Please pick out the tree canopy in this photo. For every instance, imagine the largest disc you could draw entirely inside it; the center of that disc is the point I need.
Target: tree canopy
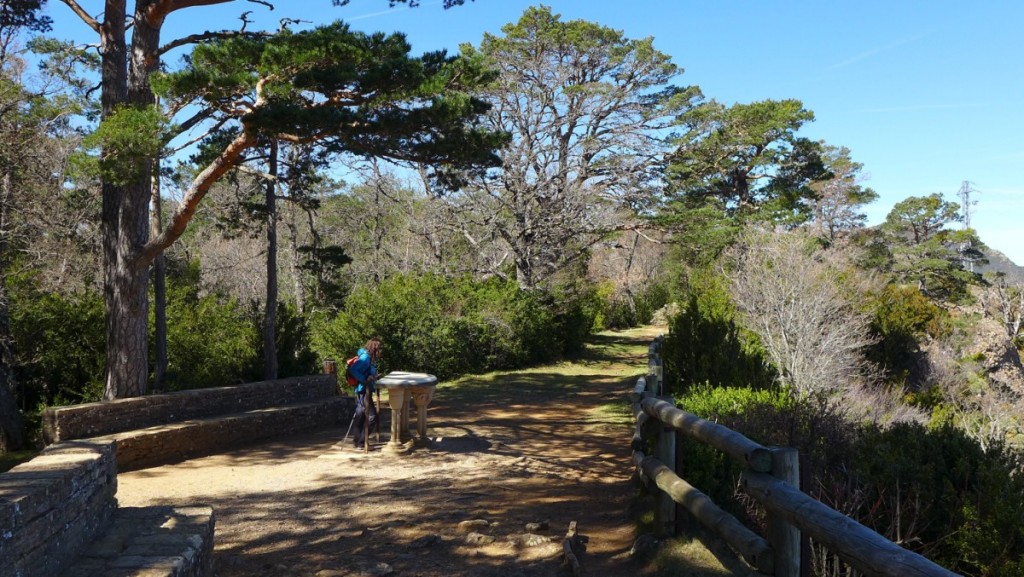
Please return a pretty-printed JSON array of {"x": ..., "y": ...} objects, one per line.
[
  {"x": 583, "y": 104},
  {"x": 348, "y": 91},
  {"x": 747, "y": 157}
]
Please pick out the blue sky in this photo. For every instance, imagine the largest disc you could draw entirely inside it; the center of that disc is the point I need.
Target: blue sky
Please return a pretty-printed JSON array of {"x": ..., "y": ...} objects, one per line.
[{"x": 926, "y": 94}]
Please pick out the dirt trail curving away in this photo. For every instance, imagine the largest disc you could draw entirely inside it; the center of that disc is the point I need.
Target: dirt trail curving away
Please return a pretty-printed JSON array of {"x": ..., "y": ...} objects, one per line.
[{"x": 508, "y": 453}]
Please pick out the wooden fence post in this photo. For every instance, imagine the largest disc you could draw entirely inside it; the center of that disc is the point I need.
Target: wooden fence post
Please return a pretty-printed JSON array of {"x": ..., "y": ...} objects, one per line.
[
  {"x": 665, "y": 451},
  {"x": 682, "y": 520},
  {"x": 655, "y": 368},
  {"x": 331, "y": 368},
  {"x": 784, "y": 537}
]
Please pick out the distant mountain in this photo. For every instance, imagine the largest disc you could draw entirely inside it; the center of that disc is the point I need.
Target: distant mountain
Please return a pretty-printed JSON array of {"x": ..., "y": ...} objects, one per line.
[{"x": 998, "y": 262}]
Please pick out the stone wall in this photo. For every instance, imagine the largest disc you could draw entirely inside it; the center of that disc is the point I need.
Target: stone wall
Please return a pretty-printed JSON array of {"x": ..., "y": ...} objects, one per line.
[
  {"x": 107, "y": 417},
  {"x": 159, "y": 429},
  {"x": 53, "y": 505},
  {"x": 173, "y": 442}
]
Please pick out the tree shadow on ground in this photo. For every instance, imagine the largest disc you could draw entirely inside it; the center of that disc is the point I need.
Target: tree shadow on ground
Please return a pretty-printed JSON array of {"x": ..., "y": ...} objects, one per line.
[{"x": 534, "y": 446}]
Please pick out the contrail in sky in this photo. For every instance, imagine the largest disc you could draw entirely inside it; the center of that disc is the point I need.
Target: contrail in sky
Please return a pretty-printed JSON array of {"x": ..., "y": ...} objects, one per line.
[
  {"x": 869, "y": 53},
  {"x": 384, "y": 12}
]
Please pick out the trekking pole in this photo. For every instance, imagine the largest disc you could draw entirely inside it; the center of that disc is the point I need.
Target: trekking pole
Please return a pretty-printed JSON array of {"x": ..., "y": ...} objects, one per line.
[
  {"x": 353, "y": 421},
  {"x": 350, "y": 423}
]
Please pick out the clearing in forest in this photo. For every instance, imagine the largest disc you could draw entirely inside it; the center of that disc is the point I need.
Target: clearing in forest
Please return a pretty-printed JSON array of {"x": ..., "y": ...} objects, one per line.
[{"x": 541, "y": 447}]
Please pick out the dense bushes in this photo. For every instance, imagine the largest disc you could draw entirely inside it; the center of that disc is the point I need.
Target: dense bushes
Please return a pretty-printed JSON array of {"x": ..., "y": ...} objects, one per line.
[
  {"x": 449, "y": 327},
  {"x": 616, "y": 312},
  {"x": 930, "y": 488},
  {"x": 429, "y": 323},
  {"x": 705, "y": 345},
  {"x": 210, "y": 342},
  {"x": 933, "y": 490},
  {"x": 59, "y": 346},
  {"x": 901, "y": 315}
]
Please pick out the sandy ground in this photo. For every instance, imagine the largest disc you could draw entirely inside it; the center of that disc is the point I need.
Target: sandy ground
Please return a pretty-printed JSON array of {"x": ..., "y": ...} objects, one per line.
[{"x": 314, "y": 505}]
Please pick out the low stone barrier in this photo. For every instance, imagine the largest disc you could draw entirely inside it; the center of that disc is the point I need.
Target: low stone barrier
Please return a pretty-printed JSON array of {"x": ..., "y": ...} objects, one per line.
[
  {"x": 59, "y": 516},
  {"x": 157, "y": 429}
]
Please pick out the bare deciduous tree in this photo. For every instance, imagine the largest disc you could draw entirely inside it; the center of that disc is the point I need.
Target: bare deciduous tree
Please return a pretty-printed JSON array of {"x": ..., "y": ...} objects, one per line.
[
  {"x": 837, "y": 206},
  {"x": 1005, "y": 303},
  {"x": 792, "y": 298},
  {"x": 632, "y": 262}
]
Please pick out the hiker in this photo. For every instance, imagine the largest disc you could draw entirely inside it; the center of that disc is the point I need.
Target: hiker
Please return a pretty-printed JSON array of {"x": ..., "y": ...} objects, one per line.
[{"x": 364, "y": 370}]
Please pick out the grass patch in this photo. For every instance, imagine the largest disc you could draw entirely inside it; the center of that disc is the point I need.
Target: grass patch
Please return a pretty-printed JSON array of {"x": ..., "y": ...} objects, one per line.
[
  {"x": 689, "y": 557},
  {"x": 609, "y": 356}
]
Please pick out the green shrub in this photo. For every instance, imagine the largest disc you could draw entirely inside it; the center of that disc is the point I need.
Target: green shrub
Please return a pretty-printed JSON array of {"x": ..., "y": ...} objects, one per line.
[
  {"x": 295, "y": 356},
  {"x": 60, "y": 346},
  {"x": 940, "y": 492},
  {"x": 211, "y": 341},
  {"x": 710, "y": 470},
  {"x": 934, "y": 490},
  {"x": 450, "y": 327},
  {"x": 653, "y": 298},
  {"x": 901, "y": 316},
  {"x": 705, "y": 345},
  {"x": 615, "y": 312}
]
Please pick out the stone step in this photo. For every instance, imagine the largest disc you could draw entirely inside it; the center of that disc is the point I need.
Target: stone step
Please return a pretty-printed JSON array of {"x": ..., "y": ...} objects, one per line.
[{"x": 151, "y": 542}]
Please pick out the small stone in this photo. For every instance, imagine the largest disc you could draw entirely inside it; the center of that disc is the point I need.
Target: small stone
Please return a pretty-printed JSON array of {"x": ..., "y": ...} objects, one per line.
[
  {"x": 479, "y": 539},
  {"x": 528, "y": 540},
  {"x": 379, "y": 569},
  {"x": 473, "y": 524},
  {"x": 535, "y": 527}
]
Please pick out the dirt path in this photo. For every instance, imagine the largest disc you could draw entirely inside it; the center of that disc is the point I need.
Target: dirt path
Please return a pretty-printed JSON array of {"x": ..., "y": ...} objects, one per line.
[{"x": 530, "y": 447}]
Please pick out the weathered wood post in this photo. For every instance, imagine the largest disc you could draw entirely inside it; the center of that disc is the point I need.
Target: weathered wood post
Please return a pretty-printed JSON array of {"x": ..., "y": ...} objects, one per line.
[
  {"x": 331, "y": 368},
  {"x": 784, "y": 537},
  {"x": 655, "y": 367},
  {"x": 681, "y": 515},
  {"x": 665, "y": 451}
]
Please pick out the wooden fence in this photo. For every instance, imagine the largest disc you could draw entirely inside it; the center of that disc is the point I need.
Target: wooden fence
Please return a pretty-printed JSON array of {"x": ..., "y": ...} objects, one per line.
[{"x": 771, "y": 477}]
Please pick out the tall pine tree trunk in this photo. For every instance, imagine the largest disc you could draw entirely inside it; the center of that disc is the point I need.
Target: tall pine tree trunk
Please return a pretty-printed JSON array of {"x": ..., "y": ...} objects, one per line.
[
  {"x": 12, "y": 425},
  {"x": 270, "y": 314},
  {"x": 159, "y": 292},
  {"x": 125, "y": 216}
]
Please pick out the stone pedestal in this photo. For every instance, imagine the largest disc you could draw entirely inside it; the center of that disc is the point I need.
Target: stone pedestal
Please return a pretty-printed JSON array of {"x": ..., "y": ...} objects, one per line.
[{"x": 403, "y": 389}]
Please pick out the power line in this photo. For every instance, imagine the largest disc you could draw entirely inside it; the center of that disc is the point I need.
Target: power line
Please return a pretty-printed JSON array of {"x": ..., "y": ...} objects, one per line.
[{"x": 966, "y": 189}]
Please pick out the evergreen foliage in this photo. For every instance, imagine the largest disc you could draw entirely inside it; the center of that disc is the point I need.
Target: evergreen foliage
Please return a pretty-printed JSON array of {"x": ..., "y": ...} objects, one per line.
[
  {"x": 615, "y": 312},
  {"x": 352, "y": 92},
  {"x": 706, "y": 345},
  {"x": 749, "y": 158},
  {"x": 212, "y": 341},
  {"x": 450, "y": 327},
  {"x": 128, "y": 138},
  {"x": 60, "y": 345},
  {"x": 933, "y": 490},
  {"x": 901, "y": 316},
  {"x": 925, "y": 252}
]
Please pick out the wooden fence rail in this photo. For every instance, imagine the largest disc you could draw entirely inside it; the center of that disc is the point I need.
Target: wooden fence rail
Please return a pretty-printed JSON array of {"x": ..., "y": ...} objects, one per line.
[{"x": 769, "y": 478}]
